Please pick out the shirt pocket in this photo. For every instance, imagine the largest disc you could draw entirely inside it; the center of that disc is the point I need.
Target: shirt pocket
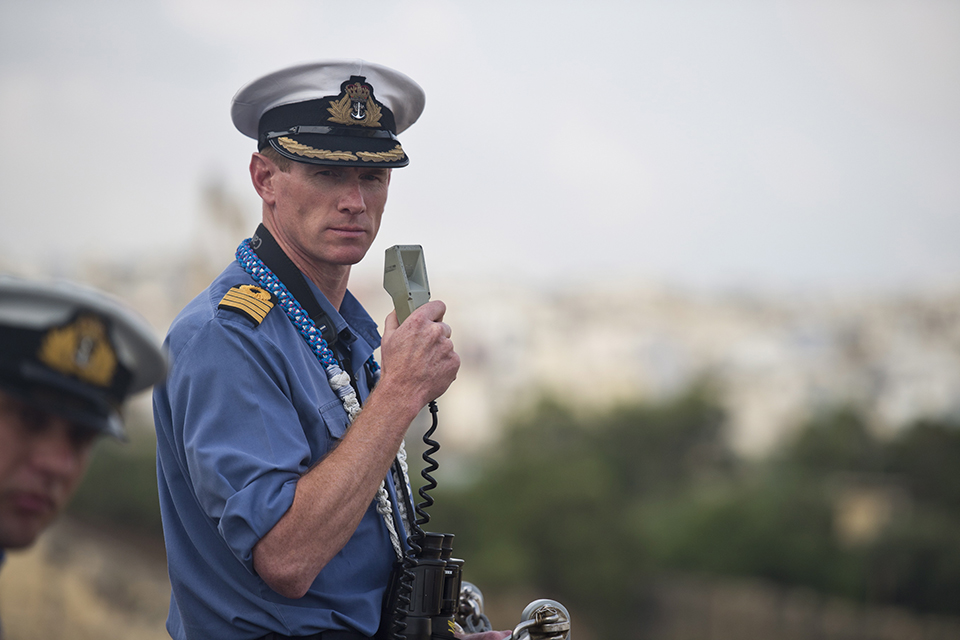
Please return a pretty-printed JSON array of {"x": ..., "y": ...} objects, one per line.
[{"x": 334, "y": 417}]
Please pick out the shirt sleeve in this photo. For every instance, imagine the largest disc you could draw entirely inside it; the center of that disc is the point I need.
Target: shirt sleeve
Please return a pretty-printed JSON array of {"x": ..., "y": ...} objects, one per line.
[{"x": 243, "y": 442}]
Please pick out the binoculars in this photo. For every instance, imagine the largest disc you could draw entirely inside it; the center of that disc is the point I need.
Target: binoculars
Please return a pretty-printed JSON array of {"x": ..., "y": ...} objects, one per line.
[
  {"x": 424, "y": 592},
  {"x": 427, "y": 599}
]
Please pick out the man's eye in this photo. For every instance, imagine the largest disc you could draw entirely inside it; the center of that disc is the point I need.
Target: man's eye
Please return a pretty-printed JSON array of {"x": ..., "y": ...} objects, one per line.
[
  {"x": 82, "y": 438},
  {"x": 34, "y": 419}
]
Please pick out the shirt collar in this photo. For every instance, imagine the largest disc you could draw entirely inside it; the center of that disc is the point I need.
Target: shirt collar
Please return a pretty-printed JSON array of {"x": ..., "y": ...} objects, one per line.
[{"x": 351, "y": 318}]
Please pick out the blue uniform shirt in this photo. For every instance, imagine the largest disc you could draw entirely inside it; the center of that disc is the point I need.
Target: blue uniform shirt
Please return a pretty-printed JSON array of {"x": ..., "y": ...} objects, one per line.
[{"x": 245, "y": 411}]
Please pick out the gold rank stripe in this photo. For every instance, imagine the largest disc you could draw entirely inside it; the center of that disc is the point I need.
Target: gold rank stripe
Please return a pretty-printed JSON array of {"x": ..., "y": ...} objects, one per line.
[{"x": 246, "y": 303}]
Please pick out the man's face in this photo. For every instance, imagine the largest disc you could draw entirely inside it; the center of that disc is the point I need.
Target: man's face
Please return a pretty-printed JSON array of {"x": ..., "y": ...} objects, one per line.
[
  {"x": 329, "y": 215},
  {"x": 42, "y": 459}
]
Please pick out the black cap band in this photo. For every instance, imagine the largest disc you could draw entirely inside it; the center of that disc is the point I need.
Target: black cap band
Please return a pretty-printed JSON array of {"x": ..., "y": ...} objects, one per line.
[{"x": 326, "y": 130}]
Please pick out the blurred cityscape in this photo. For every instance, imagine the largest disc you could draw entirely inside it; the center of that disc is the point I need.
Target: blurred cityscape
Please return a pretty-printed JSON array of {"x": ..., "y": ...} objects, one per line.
[{"x": 775, "y": 359}]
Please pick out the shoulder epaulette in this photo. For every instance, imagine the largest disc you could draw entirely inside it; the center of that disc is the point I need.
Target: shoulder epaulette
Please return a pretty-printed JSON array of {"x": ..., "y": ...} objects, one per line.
[{"x": 250, "y": 301}]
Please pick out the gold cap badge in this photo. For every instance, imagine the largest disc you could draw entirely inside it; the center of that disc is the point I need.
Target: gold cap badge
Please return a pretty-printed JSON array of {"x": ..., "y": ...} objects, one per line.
[{"x": 81, "y": 349}]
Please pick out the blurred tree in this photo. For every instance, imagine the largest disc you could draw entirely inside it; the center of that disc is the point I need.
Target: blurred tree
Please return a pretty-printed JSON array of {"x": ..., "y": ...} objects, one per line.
[
  {"x": 776, "y": 529},
  {"x": 119, "y": 489},
  {"x": 927, "y": 457},
  {"x": 836, "y": 439},
  {"x": 557, "y": 506},
  {"x": 589, "y": 508},
  {"x": 916, "y": 564}
]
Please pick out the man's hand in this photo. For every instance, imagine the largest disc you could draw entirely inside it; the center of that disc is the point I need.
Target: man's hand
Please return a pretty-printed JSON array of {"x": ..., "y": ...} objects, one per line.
[
  {"x": 486, "y": 635},
  {"x": 418, "y": 355}
]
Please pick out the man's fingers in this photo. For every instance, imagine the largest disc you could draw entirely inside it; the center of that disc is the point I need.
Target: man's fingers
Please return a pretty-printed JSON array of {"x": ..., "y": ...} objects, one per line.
[
  {"x": 391, "y": 324},
  {"x": 433, "y": 310},
  {"x": 486, "y": 635}
]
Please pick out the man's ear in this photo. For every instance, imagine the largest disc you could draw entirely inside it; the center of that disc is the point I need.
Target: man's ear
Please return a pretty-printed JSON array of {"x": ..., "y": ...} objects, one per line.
[{"x": 262, "y": 172}]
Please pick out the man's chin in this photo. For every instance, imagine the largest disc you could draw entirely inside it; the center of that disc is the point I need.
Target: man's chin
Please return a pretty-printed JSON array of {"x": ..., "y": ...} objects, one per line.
[
  {"x": 349, "y": 256},
  {"x": 19, "y": 533}
]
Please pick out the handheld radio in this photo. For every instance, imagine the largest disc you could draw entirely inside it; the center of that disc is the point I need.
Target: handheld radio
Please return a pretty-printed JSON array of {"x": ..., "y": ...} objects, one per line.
[
  {"x": 427, "y": 594},
  {"x": 424, "y": 591},
  {"x": 405, "y": 278}
]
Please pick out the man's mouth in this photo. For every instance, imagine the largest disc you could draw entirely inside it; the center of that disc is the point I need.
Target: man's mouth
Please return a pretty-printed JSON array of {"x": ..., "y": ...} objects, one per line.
[
  {"x": 348, "y": 231},
  {"x": 33, "y": 503}
]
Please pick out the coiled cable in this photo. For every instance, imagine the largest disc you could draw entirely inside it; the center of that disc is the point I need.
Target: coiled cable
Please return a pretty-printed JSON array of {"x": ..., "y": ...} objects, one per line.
[{"x": 411, "y": 558}]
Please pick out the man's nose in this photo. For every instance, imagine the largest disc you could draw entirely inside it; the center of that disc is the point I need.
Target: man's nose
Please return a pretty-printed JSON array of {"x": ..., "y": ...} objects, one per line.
[
  {"x": 54, "y": 451},
  {"x": 351, "y": 198}
]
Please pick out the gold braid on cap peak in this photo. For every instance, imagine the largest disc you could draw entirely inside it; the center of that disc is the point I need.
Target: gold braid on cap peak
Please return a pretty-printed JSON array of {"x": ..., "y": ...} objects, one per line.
[
  {"x": 293, "y": 146},
  {"x": 383, "y": 156},
  {"x": 306, "y": 151}
]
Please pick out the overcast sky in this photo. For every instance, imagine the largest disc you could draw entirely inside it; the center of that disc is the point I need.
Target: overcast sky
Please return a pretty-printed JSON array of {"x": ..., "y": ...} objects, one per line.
[{"x": 711, "y": 144}]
